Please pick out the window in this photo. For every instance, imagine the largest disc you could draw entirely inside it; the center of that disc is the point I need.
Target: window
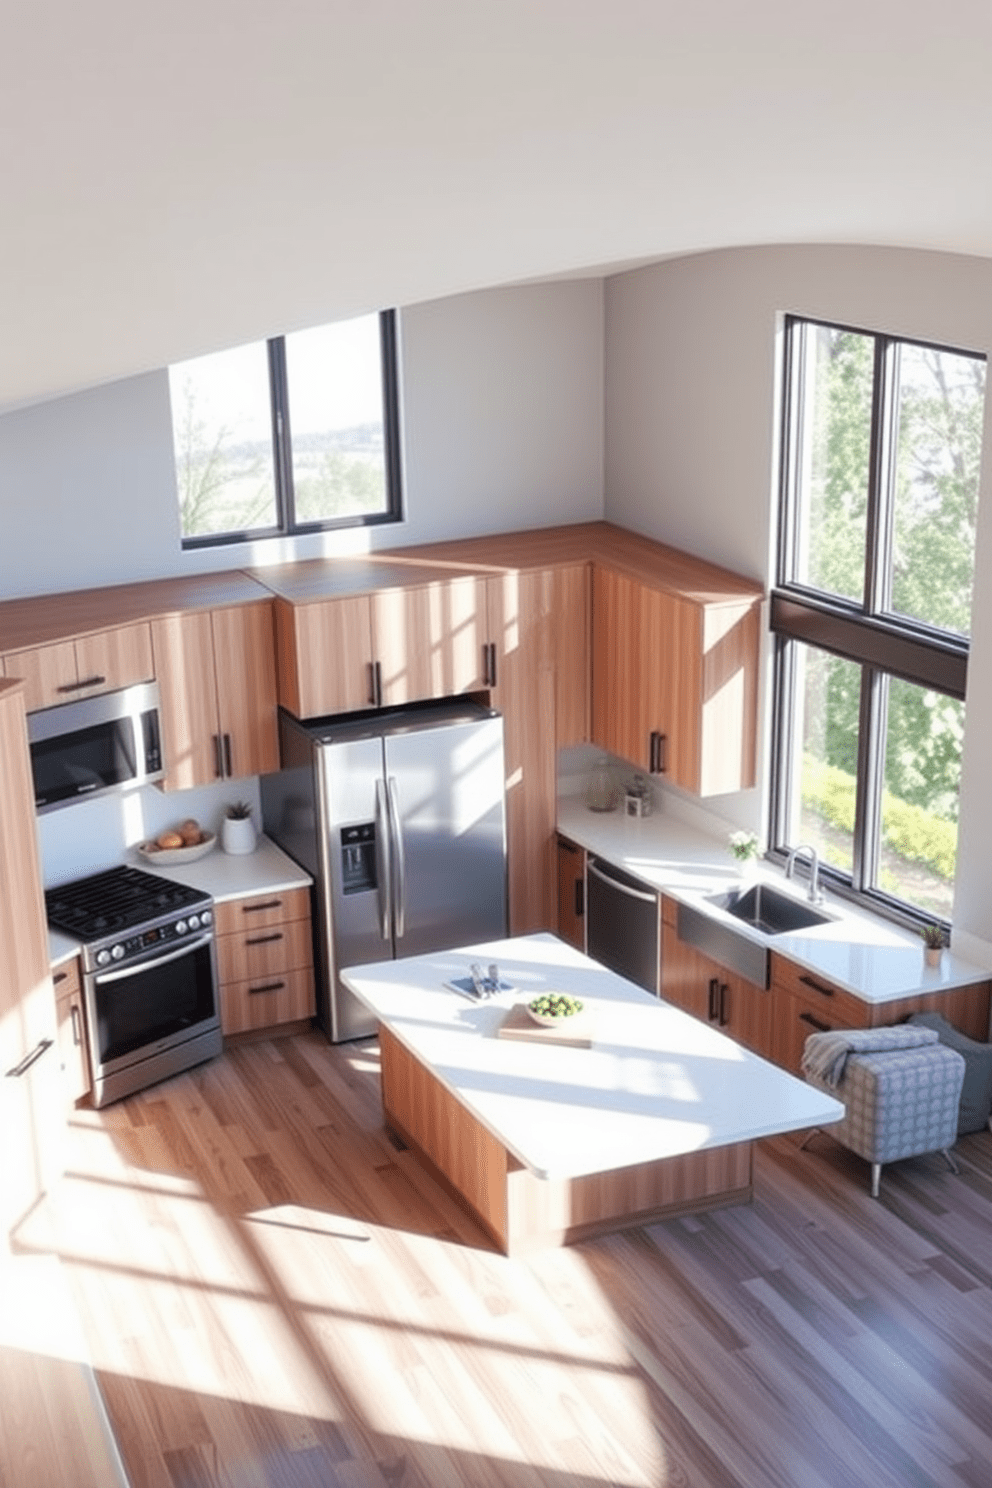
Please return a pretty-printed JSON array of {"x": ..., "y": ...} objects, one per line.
[
  {"x": 292, "y": 435},
  {"x": 881, "y": 448}
]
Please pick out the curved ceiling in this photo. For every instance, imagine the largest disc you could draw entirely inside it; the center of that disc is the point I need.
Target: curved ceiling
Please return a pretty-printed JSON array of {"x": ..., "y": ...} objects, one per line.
[{"x": 184, "y": 177}]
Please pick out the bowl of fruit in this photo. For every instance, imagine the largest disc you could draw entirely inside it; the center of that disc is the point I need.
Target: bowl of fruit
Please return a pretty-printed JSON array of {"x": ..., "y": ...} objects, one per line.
[
  {"x": 552, "y": 1009},
  {"x": 182, "y": 844}
]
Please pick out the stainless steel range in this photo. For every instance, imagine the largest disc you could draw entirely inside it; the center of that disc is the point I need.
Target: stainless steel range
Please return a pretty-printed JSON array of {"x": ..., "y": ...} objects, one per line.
[{"x": 149, "y": 975}]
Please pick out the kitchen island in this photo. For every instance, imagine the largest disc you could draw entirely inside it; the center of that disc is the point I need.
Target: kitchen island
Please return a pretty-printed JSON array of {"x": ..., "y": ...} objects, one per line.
[{"x": 547, "y": 1143}]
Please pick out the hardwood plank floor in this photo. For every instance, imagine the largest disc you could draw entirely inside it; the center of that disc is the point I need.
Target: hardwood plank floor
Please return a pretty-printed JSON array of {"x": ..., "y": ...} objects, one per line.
[{"x": 275, "y": 1294}]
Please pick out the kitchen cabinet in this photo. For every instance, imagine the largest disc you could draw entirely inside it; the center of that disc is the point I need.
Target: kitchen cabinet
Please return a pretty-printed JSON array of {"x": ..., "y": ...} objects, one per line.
[
  {"x": 217, "y": 680},
  {"x": 675, "y": 680},
  {"x": 571, "y": 865},
  {"x": 265, "y": 961},
  {"x": 713, "y": 993},
  {"x": 30, "y": 1110},
  {"x": 325, "y": 661},
  {"x": 70, "y": 1019},
  {"x": 103, "y": 662}
]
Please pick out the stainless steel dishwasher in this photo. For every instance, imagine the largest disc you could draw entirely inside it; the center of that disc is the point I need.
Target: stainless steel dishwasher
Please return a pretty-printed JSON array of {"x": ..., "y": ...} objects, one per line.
[{"x": 622, "y": 924}]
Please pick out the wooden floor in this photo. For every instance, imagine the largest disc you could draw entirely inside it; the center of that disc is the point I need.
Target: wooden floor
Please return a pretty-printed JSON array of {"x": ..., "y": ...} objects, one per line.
[{"x": 274, "y": 1294}]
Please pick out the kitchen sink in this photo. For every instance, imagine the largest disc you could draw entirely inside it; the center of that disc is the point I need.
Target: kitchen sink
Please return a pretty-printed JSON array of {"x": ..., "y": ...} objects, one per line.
[{"x": 767, "y": 909}]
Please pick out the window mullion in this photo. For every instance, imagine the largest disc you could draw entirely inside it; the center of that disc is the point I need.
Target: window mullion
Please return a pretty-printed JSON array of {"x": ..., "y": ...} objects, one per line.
[
  {"x": 871, "y": 774},
  {"x": 285, "y": 504},
  {"x": 793, "y": 396},
  {"x": 881, "y": 480}
]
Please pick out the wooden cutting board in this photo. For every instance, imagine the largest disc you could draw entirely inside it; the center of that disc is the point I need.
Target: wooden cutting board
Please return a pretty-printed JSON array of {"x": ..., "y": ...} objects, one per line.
[{"x": 518, "y": 1024}]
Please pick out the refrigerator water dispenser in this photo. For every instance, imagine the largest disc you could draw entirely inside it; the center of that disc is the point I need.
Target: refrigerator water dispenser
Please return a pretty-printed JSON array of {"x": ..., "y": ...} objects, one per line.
[{"x": 358, "y": 858}]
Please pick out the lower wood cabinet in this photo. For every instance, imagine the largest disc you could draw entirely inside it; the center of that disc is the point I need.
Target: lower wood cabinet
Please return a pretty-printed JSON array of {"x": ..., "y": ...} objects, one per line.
[
  {"x": 265, "y": 961},
  {"x": 70, "y": 1018},
  {"x": 701, "y": 986},
  {"x": 571, "y": 893}
]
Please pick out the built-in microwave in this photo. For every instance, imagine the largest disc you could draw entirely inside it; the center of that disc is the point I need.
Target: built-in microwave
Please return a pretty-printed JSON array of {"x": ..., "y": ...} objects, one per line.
[{"x": 95, "y": 745}]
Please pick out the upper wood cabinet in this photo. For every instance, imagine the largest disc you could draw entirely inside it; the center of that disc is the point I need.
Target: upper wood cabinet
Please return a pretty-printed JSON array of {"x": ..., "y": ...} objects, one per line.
[
  {"x": 428, "y": 640},
  {"x": 675, "y": 679},
  {"x": 66, "y": 670},
  {"x": 324, "y": 652},
  {"x": 217, "y": 678}
]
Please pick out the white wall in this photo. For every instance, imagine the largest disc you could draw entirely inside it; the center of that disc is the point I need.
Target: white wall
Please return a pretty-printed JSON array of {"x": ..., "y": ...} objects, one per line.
[
  {"x": 502, "y": 407},
  {"x": 691, "y": 388}
]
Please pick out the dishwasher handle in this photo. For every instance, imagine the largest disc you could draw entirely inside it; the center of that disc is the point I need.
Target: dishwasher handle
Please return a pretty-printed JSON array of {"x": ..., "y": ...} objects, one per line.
[{"x": 645, "y": 895}]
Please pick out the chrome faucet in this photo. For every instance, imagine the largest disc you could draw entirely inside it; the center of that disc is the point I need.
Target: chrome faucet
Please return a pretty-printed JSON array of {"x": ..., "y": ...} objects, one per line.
[{"x": 815, "y": 893}]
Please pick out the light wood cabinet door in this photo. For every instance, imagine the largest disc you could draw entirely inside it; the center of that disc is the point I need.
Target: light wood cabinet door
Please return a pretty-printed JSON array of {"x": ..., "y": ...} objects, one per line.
[
  {"x": 66, "y": 670},
  {"x": 521, "y": 623},
  {"x": 324, "y": 655},
  {"x": 244, "y": 663},
  {"x": 265, "y": 961},
  {"x": 30, "y": 1108},
  {"x": 707, "y": 990},
  {"x": 428, "y": 640},
  {"x": 184, "y": 665},
  {"x": 70, "y": 1016},
  {"x": 48, "y": 673},
  {"x": 571, "y": 893},
  {"x": 573, "y": 666}
]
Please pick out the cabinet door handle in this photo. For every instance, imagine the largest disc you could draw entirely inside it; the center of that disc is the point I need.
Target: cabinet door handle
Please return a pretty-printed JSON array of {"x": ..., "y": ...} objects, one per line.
[
  {"x": 713, "y": 1010},
  {"x": 809, "y": 981},
  {"x": 77, "y": 686},
  {"x": 263, "y": 939},
  {"x": 658, "y": 753},
  {"x": 218, "y": 759},
  {"x": 580, "y": 898},
  {"x": 77, "y": 1025},
  {"x": 814, "y": 1022},
  {"x": 371, "y": 694},
  {"x": 489, "y": 664},
  {"x": 266, "y": 904},
  {"x": 30, "y": 1059},
  {"x": 724, "y": 1018},
  {"x": 266, "y": 987},
  {"x": 228, "y": 766}
]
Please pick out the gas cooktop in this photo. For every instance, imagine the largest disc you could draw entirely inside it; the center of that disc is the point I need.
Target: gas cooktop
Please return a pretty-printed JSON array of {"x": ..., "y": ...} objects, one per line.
[{"x": 106, "y": 903}]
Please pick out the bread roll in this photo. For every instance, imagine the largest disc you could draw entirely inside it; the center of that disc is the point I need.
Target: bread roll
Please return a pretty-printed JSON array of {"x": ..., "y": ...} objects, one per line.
[
  {"x": 169, "y": 839},
  {"x": 190, "y": 832}
]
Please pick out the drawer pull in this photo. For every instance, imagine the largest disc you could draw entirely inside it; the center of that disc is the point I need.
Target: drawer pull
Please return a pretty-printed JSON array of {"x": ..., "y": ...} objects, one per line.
[
  {"x": 809, "y": 981},
  {"x": 814, "y": 1022},
  {"x": 59, "y": 976},
  {"x": 724, "y": 1011},
  {"x": 713, "y": 1009},
  {"x": 78, "y": 686},
  {"x": 30, "y": 1059},
  {"x": 266, "y": 987},
  {"x": 268, "y": 904},
  {"x": 77, "y": 1026},
  {"x": 264, "y": 939}
]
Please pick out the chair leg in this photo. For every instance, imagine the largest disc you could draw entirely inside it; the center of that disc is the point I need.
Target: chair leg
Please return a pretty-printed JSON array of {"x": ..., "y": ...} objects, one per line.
[
  {"x": 876, "y": 1178},
  {"x": 814, "y": 1129},
  {"x": 950, "y": 1160}
]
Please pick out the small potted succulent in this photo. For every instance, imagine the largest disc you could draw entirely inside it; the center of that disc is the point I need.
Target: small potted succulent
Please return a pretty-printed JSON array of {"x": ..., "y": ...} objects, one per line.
[
  {"x": 744, "y": 846},
  {"x": 238, "y": 829},
  {"x": 933, "y": 944}
]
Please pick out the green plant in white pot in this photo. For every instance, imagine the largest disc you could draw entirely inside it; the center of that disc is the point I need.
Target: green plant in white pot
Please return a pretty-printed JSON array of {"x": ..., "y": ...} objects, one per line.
[
  {"x": 744, "y": 847},
  {"x": 237, "y": 833}
]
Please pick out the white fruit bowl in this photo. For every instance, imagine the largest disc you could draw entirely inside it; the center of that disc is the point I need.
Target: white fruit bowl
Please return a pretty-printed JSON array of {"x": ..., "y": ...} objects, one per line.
[{"x": 168, "y": 855}]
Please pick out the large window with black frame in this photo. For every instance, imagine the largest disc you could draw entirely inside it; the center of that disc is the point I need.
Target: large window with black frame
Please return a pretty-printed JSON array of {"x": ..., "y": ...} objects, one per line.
[
  {"x": 871, "y": 612},
  {"x": 295, "y": 434}
]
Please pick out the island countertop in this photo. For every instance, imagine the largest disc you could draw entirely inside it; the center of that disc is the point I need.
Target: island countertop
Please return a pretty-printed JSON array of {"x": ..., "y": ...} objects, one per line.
[{"x": 655, "y": 1083}]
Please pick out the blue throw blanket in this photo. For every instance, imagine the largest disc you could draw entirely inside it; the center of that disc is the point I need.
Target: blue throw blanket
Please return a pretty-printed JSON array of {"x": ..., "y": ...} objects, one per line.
[{"x": 825, "y": 1054}]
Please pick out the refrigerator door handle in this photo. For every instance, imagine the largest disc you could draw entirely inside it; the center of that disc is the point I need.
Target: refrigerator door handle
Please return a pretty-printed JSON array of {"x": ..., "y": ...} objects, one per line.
[
  {"x": 382, "y": 857},
  {"x": 396, "y": 834}
]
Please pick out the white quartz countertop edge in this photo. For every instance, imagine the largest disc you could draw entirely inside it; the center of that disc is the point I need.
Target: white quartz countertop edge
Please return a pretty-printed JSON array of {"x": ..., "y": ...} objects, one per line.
[
  {"x": 267, "y": 870},
  {"x": 860, "y": 952},
  {"x": 663, "y": 1086}
]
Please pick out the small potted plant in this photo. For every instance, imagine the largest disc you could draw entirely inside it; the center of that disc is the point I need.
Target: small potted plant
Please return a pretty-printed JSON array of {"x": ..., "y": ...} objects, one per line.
[
  {"x": 744, "y": 846},
  {"x": 933, "y": 944},
  {"x": 238, "y": 830}
]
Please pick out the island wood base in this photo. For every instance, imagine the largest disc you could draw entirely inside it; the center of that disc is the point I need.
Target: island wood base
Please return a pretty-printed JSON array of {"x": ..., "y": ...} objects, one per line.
[{"x": 520, "y": 1211}]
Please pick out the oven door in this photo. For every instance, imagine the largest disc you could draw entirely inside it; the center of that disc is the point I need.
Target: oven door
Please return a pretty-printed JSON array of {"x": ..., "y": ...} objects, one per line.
[{"x": 144, "y": 1018}]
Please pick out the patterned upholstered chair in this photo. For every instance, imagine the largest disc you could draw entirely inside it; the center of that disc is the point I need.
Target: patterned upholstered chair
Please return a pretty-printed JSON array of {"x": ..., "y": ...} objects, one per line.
[{"x": 901, "y": 1092}]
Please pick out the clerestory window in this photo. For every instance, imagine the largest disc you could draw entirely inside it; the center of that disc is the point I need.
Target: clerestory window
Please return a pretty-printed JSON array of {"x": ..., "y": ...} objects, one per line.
[{"x": 880, "y": 462}]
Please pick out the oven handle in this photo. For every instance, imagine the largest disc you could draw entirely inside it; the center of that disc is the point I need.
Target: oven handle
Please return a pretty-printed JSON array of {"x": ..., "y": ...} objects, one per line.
[{"x": 186, "y": 949}]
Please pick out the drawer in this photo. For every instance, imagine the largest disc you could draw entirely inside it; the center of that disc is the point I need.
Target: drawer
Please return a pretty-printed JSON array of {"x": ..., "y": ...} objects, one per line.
[
  {"x": 841, "y": 1008},
  {"x": 263, "y": 949},
  {"x": 262, "y": 1002},
  {"x": 66, "y": 980},
  {"x": 236, "y": 915}
]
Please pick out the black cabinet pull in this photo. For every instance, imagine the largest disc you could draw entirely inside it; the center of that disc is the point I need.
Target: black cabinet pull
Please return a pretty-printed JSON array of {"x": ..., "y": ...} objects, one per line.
[
  {"x": 580, "y": 898},
  {"x": 59, "y": 976},
  {"x": 266, "y": 987},
  {"x": 724, "y": 1005},
  {"x": 371, "y": 667},
  {"x": 218, "y": 760},
  {"x": 266, "y": 904},
  {"x": 809, "y": 981},
  {"x": 714, "y": 1003},
  {"x": 86, "y": 682},
  {"x": 657, "y": 753},
  {"x": 228, "y": 767},
  {"x": 263, "y": 939},
  {"x": 814, "y": 1022},
  {"x": 378, "y": 684}
]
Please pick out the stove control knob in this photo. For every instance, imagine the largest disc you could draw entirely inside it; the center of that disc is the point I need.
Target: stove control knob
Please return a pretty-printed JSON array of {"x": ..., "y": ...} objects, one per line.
[
  {"x": 117, "y": 952},
  {"x": 206, "y": 918},
  {"x": 103, "y": 958},
  {"x": 194, "y": 922},
  {"x": 181, "y": 927}
]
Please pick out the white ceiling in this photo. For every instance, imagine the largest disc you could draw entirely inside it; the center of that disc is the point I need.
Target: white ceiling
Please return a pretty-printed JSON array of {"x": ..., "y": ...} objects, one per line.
[{"x": 179, "y": 177}]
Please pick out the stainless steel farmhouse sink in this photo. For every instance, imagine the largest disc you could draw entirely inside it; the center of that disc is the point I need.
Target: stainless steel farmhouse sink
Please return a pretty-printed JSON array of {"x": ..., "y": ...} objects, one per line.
[
  {"x": 767, "y": 909},
  {"x": 762, "y": 909}
]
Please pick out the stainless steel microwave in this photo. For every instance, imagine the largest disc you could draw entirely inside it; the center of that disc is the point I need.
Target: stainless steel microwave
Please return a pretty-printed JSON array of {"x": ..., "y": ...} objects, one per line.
[{"x": 95, "y": 745}]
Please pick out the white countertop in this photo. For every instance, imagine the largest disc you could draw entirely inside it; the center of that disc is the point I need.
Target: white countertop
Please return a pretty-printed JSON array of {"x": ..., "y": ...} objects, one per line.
[
  {"x": 656, "y": 1083},
  {"x": 868, "y": 956},
  {"x": 220, "y": 874}
]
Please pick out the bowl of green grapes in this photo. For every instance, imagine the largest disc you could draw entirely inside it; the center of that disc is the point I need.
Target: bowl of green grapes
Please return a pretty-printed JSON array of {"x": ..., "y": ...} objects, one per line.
[{"x": 552, "y": 1009}]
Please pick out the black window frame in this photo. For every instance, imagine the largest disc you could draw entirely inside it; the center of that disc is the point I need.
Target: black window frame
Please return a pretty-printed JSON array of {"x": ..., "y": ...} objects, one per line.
[
  {"x": 884, "y": 644},
  {"x": 287, "y": 524}
]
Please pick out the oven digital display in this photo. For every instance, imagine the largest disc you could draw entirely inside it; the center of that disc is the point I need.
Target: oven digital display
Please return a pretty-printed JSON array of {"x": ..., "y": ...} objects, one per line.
[{"x": 149, "y": 937}]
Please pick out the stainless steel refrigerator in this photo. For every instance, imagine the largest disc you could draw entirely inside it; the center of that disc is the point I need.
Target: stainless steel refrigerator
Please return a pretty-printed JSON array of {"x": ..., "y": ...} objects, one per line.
[{"x": 400, "y": 818}]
